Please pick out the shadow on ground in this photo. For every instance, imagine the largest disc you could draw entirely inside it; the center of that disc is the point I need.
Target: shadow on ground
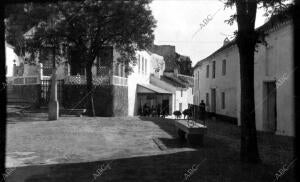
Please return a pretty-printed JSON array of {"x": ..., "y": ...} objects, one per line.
[
  {"x": 216, "y": 163},
  {"x": 164, "y": 124}
]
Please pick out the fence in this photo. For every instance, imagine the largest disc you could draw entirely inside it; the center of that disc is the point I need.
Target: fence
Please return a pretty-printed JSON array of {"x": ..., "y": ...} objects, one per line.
[
  {"x": 97, "y": 80},
  {"x": 45, "y": 83},
  {"x": 121, "y": 81},
  {"x": 46, "y": 91},
  {"x": 81, "y": 80},
  {"x": 25, "y": 80}
]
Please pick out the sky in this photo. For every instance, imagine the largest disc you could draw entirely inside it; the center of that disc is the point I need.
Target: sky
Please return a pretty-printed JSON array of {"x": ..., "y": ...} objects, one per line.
[{"x": 179, "y": 23}]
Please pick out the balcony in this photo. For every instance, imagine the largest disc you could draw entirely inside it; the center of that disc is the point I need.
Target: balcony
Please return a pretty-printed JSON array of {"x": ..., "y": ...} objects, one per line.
[
  {"x": 25, "y": 80},
  {"x": 97, "y": 80}
]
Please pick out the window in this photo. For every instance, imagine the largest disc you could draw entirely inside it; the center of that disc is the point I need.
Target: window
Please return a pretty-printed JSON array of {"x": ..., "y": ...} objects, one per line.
[
  {"x": 139, "y": 64},
  {"x": 142, "y": 65},
  {"x": 195, "y": 80},
  {"x": 224, "y": 67},
  {"x": 207, "y": 71},
  {"x": 145, "y": 66},
  {"x": 213, "y": 69},
  {"x": 180, "y": 107},
  {"x": 223, "y": 100},
  {"x": 181, "y": 93},
  {"x": 199, "y": 79},
  {"x": 207, "y": 99},
  {"x": 120, "y": 70},
  {"x": 116, "y": 69}
]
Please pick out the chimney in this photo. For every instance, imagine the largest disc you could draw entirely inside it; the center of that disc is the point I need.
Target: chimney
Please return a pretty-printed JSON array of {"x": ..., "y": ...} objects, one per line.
[{"x": 226, "y": 41}]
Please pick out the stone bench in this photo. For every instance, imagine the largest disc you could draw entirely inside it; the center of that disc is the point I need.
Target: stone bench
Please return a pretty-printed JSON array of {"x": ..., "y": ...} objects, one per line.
[
  {"x": 192, "y": 133},
  {"x": 77, "y": 112}
]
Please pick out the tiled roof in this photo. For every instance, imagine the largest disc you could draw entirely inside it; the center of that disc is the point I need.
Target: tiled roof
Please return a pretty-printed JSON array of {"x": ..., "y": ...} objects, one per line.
[
  {"x": 154, "y": 88},
  {"x": 187, "y": 79},
  {"x": 179, "y": 81}
]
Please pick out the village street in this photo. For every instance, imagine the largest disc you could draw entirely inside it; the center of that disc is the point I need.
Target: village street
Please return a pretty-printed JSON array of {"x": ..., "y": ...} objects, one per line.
[
  {"x": 147, "y": 149},
  {"x": 149, "y": 90}
]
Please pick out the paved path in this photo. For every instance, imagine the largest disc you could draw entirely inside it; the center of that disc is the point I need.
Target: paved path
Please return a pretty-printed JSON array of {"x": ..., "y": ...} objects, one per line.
[
  {"x": 133, "y": 149},
  {"x": 34, "y": 140}
]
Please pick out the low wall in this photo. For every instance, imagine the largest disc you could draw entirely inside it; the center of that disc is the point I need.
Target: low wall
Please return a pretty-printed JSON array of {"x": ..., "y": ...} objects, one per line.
[
  {"x": 109, "y": 100},
  {"x": 25, "y": 93}
]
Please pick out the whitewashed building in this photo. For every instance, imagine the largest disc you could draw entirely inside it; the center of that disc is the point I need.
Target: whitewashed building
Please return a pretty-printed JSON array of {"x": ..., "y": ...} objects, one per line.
[
  {"x": 181, "y": 87},
  {"x": 140, "y": 90},
  {"x": 10, "y": 59},
  {"x": 217, "y": 80}
]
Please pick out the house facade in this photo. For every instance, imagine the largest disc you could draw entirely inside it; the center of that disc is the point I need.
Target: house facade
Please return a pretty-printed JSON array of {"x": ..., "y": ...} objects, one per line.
[
  {"x": 117, "y": 92},
  {"x": 217, "y": 80},
  {"x": 181, "y": 87},
  {"x": 141, "y": 92}
]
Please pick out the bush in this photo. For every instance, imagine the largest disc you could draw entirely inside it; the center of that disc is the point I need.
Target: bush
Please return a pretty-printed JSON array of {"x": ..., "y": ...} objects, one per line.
[
  {"x": 187, "y": 112},
  {"x": 177, "y": 113}
]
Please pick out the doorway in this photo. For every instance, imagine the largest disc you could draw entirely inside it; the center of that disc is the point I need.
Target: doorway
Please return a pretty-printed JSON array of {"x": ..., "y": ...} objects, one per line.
[
  {"x": 213, "y": 100},
  {"x": 165, "y": 106},
  {"x": 269, "y": 106}
]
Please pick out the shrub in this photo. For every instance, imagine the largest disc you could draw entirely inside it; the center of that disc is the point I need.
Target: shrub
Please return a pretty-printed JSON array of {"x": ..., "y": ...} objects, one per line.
[
  {"x": 187, "y": 112},
  {"x": 177, "y": 113}
]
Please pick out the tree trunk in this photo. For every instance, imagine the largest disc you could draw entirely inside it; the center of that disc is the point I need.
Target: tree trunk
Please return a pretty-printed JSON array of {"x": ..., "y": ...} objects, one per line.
[
  {"x": 246, "y": 40},
  {"x": 249, "y": 149},
  {"x": 90, "y": 90}
]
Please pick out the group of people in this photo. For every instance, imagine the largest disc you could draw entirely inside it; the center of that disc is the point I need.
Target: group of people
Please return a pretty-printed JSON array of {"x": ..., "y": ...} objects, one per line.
[
  {"x": 154, "y": 111},
  {"x": 197, "y": 112},
  {"x": 158, "y": 111}
]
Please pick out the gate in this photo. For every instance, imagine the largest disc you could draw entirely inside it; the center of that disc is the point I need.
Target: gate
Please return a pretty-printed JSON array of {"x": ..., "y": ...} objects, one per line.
[{"x": 46, "y": 91}]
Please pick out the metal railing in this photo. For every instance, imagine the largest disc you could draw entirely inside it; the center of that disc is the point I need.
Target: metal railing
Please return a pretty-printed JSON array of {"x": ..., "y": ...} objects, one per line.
[
  {"x": 81, "y": 80},
  {"x": 25, "y": 80},
  {"x": 120, "y": 81}
]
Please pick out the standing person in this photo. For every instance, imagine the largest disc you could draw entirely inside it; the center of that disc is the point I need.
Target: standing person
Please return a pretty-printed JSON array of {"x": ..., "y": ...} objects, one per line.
[
  {"x": 202, "y": 111},
  {"x": 158, "y": 110},
  {"x": 144, "y": 110}
]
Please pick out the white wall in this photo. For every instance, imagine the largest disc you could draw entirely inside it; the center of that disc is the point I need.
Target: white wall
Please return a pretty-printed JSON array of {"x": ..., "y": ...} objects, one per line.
[
  {"x": 275, "y": 63},
  {"x": 10, "y": 55},
  {"x": 272, "y": 63},
  {"x": 137, "y": 77},
  {"x": 222, "y": 83},
  {"x": 185, "y": 99}
]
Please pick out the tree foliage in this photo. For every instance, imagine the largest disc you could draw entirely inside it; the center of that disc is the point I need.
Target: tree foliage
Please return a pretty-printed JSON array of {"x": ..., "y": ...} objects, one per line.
[
  {"x": 86, "y": 26},
  {"x": 89, "y": 25}
]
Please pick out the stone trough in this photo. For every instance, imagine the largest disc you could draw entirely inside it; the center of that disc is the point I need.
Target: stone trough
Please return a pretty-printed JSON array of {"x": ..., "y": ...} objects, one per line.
[{"x": 191, "y": 131}]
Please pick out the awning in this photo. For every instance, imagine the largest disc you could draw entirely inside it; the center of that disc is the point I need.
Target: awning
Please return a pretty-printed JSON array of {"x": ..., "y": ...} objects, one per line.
[{"x": 148, "y": 89}]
